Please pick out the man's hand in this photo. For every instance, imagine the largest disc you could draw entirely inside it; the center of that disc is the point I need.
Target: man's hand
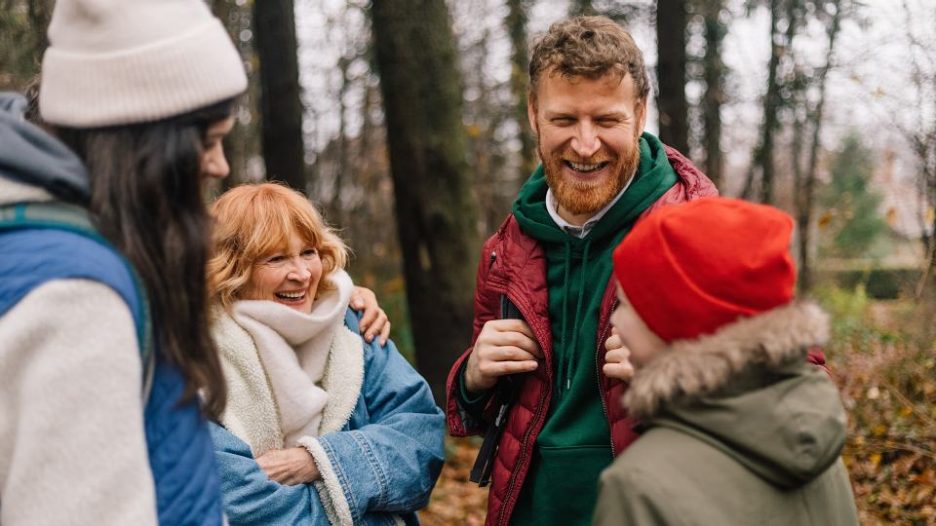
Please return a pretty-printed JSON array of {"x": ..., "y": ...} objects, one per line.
[
  {"x": 374, "y": 320},
  {"x": 617, "y": 359},
  {"x": 503, "y": 347},
  {"x": 289, "y": 466}
]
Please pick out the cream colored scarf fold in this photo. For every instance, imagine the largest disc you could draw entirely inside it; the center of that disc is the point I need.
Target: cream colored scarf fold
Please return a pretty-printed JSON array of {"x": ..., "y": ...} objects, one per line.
[{"x": 294, "y": 348}]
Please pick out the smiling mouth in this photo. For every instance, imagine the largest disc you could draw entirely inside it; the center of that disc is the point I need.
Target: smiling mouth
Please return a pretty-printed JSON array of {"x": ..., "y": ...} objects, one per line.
[
  {"x": 290, "y": 297},
  {"x": 586, "y": 168}
]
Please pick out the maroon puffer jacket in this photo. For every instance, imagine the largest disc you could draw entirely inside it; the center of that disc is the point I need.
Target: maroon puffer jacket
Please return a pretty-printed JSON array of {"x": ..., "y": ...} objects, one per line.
[{"x": 513, "y": 263}]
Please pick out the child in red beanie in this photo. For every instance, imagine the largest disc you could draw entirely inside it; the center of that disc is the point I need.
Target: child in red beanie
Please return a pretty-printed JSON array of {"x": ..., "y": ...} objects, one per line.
[{"x": 737, "y": 427}]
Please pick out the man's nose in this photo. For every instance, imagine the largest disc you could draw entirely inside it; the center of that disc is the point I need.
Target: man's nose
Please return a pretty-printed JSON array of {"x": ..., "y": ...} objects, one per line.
[{"x": 585, "y": 143}]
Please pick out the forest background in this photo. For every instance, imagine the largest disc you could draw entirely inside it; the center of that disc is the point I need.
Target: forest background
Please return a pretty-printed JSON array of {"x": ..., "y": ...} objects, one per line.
[{"x": 404, "y": 121}]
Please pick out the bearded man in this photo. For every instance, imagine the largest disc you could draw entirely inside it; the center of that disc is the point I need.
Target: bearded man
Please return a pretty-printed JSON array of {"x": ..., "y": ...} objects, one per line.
[{"x": 550, "y": 259}]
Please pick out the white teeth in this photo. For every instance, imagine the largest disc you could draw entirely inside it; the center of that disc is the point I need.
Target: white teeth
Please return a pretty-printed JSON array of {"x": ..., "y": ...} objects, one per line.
[
  {"x": 291, "y": 295},
  {"x": 585, "y": 167}
]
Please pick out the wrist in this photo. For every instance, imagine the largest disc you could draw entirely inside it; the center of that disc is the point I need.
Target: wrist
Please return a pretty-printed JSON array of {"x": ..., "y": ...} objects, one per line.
[{"x": 471, "y": 386}]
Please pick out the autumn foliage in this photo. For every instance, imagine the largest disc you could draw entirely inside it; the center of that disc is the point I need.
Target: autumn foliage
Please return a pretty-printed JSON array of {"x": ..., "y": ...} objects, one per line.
[{"x": 884, "y": 359}]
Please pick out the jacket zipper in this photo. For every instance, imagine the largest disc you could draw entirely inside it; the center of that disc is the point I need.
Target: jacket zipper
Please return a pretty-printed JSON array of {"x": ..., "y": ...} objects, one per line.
[
  {"x": 602, "y": 336},
  {"x": 512, "y": 481}
]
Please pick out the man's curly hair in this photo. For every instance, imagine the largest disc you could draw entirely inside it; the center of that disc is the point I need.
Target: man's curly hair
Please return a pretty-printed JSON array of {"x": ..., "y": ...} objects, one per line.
[{"x": 590, "y": 47}]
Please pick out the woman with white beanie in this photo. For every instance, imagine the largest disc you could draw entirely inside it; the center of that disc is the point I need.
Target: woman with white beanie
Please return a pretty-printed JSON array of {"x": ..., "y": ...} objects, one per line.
[
  {"x": 141, "y": 91},
  {"x": 102, "y": 279}
]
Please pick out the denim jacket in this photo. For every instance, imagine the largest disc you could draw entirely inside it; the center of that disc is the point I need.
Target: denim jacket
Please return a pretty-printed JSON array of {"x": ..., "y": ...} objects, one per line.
[{"x": 386, "y": 458}]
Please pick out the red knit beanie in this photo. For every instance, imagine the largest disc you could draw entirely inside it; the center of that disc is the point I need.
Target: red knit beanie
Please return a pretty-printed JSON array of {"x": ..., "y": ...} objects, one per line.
[{"x": 690, "y": 269}]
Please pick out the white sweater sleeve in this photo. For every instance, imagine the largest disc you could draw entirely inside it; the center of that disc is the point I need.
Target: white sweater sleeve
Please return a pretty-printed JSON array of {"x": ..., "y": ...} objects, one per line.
[{"x": 72, "y": 441}]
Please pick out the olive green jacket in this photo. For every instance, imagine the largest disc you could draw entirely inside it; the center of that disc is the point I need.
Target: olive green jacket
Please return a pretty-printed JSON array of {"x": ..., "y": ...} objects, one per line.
[{"x": 740, "y": 431}]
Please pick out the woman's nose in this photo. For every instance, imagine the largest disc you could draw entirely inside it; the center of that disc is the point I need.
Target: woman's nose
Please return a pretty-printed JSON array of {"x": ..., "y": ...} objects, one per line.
[{"x": 298, "y": 269}]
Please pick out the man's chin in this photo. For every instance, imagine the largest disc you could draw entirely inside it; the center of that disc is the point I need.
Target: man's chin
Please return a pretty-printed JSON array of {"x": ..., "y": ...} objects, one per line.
[
  {"x": 581, "y": 203},
  {"x": 582, "y": 199}
]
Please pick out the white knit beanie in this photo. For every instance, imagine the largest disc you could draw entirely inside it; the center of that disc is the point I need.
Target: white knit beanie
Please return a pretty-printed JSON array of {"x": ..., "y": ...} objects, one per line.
[{"x": 113, "y": 62}]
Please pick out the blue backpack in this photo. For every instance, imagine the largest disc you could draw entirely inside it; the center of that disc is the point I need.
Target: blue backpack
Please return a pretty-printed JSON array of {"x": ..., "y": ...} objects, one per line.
[
  {"x": 40, "y": 242},
  {"x": 39, "y": 245}
]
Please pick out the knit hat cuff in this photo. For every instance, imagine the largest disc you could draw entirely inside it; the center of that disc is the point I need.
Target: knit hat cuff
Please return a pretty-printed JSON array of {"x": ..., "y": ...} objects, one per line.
[
  {"x": 694, "y": 314},
  {"x": 147, "y": 83},
  {"x": 690, "y": 269}
]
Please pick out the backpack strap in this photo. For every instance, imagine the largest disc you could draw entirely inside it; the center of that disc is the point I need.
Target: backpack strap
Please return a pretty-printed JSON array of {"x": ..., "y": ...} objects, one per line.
[{"x": 75, "y": 219}]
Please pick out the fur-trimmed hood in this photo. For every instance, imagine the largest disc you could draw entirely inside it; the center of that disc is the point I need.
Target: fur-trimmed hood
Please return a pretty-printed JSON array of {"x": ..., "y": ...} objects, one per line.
[
  {"x": 748, "y": 391},
  {"x": 690, "y": 368}
]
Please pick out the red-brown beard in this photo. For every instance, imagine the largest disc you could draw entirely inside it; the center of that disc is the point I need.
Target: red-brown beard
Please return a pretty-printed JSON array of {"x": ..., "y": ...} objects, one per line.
[{"x": 584, "y": 198}]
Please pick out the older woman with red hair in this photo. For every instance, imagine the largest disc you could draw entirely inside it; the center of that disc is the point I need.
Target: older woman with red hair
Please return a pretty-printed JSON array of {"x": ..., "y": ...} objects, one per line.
[{"x": 321, "y": 427}]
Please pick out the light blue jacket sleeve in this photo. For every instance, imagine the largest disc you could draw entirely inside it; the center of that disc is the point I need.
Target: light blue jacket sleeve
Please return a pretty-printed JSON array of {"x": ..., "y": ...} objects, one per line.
[
  {"x": 251, "y": 498},
  {"x": 392, "y": 454}
]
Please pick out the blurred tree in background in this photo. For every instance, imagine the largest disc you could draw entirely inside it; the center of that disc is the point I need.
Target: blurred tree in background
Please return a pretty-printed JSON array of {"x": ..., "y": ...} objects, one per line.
[
  {"x": 23, "y": 40},
  {"x": 274, "y": 23},
  {"x": 435, "y": 206},
  {"x": 853, "y": 219}
]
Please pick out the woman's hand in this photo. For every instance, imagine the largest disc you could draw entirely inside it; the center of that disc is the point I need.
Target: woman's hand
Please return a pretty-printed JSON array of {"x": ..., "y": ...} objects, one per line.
[
  {"x": 374, "y": 320},
  {"x": 617, "y": 359},
  {"x": 289, "y": 466}
]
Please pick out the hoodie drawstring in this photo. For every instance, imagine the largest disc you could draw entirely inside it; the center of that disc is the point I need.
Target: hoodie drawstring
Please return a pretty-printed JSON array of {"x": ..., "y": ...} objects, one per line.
[
  {"x": 565, "y": 375},
  {"x": 565, "y": 305},
  {"x": 570, "y": 362}
]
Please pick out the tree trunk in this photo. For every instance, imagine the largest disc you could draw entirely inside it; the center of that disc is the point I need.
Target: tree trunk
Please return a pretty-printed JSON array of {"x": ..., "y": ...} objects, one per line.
[
  {"x": 763, "y": 157},
  {"x": 671, "y": 20},
  {"x": 40, "y": 13},
  {"x": 238, "y": 146},
  {"x": 800, "y": 121},
  {"x": 714, "y": 96},
  {"x": 517, "y": 29},
  {"x": 805, "y": 211},
  {"x": 336, "y": 214},
  {"x": 581, "y": 7},
  {"x": 436, "y": 210},
  {"x": 280, "y": 103}
]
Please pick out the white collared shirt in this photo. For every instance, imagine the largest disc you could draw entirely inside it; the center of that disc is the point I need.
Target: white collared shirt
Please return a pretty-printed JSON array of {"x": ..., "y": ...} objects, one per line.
[{"x": 580, "y": 231}]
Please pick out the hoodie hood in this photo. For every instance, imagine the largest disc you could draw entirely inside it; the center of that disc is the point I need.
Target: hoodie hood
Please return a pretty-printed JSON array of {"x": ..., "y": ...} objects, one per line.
[
  {"x": 748, "y": 391},
  {"x": 654, "y": 176},
  {"x": 30, "y": 156},
  {"x": 576, "y": 264}
]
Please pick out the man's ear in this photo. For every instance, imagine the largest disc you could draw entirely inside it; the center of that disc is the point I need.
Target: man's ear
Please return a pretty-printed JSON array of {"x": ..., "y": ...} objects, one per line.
[
  {"x": 641, "y": 110},
  {"x": 531, "y": 113}
]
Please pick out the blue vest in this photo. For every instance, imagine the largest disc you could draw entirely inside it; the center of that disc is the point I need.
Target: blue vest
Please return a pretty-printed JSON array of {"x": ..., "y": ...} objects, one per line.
[{"x": 57, "y": 242}]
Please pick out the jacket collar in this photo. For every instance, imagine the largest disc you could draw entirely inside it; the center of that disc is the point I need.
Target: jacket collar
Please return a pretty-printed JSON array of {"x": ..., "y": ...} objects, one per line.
[{"x": 691, "y": 368}]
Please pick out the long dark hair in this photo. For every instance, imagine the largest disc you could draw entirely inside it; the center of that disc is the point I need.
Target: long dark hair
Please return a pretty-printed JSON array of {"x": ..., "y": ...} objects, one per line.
[{"x": 146, "y": 199}]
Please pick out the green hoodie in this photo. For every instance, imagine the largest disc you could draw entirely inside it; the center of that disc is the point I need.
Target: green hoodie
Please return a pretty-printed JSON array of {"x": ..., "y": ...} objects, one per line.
[{"x": 575, "y": 442}]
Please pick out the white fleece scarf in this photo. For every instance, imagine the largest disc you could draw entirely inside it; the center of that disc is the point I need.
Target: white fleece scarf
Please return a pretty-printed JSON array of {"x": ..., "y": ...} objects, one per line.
[{"x": 293, "y": 347}]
